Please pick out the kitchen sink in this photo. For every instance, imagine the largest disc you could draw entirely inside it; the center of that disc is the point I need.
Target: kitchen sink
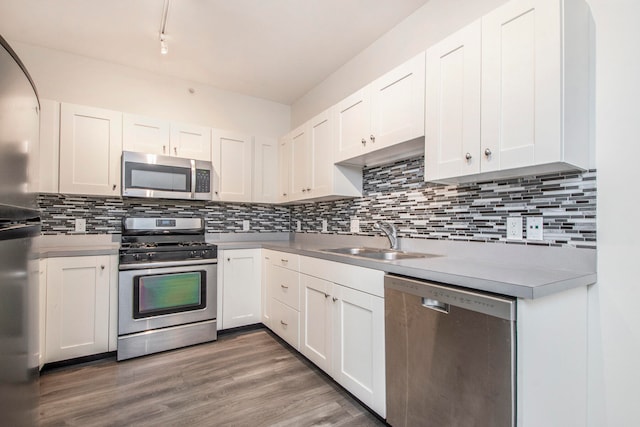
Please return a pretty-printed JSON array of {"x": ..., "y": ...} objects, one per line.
[{"x": 379, "y": 254}]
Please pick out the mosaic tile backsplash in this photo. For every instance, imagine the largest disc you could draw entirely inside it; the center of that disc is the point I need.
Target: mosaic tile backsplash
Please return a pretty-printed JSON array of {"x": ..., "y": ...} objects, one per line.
[
  {"x": 104, "y": 214},
  {"x": 394, "y": 192},
  {"x": 469, "y": 212}
]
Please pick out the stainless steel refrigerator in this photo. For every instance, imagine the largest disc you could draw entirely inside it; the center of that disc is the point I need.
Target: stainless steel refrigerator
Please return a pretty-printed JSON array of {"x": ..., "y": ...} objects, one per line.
[{"x": 19, "y": 226}]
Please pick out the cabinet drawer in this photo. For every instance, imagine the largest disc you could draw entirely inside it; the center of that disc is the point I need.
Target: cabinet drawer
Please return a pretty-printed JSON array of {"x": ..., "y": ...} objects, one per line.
[
  {"x": 285, "y": 286},
  {"x": 285, "y": 322},
  {"x": 286, "y": 260}
]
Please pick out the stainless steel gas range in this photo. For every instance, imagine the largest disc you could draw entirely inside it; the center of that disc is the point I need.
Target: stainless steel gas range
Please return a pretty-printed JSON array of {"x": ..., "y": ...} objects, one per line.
[{"x": 166, "y": 285}]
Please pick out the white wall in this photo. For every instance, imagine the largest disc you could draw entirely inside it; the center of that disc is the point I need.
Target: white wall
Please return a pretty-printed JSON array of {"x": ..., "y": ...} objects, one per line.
[
  {"x": 77, "y": 79},
  {"x": 614, "y": 310},
  {"x": 426, "y": 26}
]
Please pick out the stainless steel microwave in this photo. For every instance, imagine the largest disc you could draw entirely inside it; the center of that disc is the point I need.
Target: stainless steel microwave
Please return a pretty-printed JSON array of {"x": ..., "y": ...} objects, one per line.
[{"x": 165, "y": 177}]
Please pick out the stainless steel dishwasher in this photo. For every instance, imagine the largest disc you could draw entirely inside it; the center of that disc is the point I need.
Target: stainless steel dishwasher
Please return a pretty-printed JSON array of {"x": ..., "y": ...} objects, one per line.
[{"x": 450, "y": 355}]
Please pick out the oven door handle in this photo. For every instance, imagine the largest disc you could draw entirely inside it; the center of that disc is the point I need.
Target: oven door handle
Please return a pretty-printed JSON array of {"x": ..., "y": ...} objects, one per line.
[{"x": 159, "y": 264}]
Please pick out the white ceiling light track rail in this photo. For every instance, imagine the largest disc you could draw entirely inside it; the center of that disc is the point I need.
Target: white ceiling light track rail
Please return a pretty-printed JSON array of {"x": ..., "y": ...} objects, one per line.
[{"x": 164, "y": 46}]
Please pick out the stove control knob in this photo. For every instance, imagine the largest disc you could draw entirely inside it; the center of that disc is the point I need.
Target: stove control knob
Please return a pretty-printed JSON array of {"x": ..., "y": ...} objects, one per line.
[
  {"x": 192, "y": 254},
  {"x": 136, "y": 257},
  {"x": 150, "y": 255}
]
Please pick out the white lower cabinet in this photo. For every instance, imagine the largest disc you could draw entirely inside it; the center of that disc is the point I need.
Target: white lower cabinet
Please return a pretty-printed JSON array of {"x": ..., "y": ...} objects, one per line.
[
  {"x": 79, "y": 315},
  {"x": 241, "y": 289},
  {"x": 358, "y": 351},
  {"x": 316, "y": 321},
  {"x": 283, "y": 287},
  {"x": 342, "y": 326}
]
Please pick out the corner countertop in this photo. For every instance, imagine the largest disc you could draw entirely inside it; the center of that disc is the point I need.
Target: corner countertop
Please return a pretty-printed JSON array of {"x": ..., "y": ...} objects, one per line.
[
  {"x": 515, "y": 270},
  {"x": 60, "y": 245}
]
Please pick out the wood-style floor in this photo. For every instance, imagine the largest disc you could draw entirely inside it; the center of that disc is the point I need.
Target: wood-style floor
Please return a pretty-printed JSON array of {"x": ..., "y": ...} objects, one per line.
[{"x": 243, "y": 379}]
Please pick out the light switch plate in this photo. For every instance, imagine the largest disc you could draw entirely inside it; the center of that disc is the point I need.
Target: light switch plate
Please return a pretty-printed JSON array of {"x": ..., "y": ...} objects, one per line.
[
  {"x": 355, "y": 225},
  {"x": 245, "y": 225},
  {"x": 324, "y": 225},
  {"x": 514, "y": 228},
  {"x": 298, "y": 226},
  {"x": 535, "y": 230},
  {"x": 81, "y": 225}
]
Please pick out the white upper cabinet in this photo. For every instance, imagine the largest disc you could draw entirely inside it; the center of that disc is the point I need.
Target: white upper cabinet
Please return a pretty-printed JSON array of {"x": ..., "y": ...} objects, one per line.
[
  {"x": 190, "y": 141},
  {"x": 145, "y": 135},
  {"x": 452, "y": 112},
  {"x": 300, "y": 169},
  {"x": 265, "y": 179},
  {"x": 49, "y": 145},
  {"x": 387, "y": 112},
  {"x": 321, "y": 154},
  {"x": 535, "y": 85},
  {"x": 534, "y": 94},
  {"x": 233, "y": 165},
  {"x": 284, "y": 169},
  {"x": 155, "y": 136},
  {"x": 90, "y": 150}
]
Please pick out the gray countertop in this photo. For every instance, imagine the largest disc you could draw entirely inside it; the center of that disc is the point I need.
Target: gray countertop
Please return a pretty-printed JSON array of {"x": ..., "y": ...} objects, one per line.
[
  {"x": 514, "y": 270},
  {"x": 520, "y": 271}
]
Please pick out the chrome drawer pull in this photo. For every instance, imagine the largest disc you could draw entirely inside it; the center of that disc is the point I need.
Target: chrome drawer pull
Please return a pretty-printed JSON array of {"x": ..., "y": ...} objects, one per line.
[
  {"x": 283, "y": 323},
  {"x": 284, "y": 287}
]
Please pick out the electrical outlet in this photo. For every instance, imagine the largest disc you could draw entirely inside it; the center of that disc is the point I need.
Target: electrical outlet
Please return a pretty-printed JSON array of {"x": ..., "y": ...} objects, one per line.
[
  {"x": 514, "y": 228},
  {"x": 245, "y": 225},
  {"x": 355, "y": 225},
  {"x": 298, "y": 226},
  {"x": 81, "y": 225},
  {"x": 324, "y": 225},
  {"x": 535, "y": 229}
]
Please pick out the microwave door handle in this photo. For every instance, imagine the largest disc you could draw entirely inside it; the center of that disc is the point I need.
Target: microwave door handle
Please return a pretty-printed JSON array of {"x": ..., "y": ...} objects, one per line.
[{"x": 193, "y": 179}]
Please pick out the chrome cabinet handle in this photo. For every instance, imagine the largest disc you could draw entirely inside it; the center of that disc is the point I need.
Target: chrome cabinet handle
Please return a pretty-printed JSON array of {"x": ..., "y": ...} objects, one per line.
[
  {"x": 284, "y": 194},
  {"x": 364, "y": 141},
  {"x": 228, "y": 259},
  {"x": 372, "y": 138},
  {"x": 283, "y": 323},
  {"x": 175, "y": 150},
  {"x": 114, "y": 187},
  {"x": 308, "y": 189},
  {"x": 304, "y": 190},
  {"x": 487, "y": 152},
  {"x": 284, "y": 260},
  {"x": 164, "y": 149},
  {"x": 334, "y": 299},
  {"x": 284, "y": 286},
  {"x": 326, "y": 295},
  {"x": 468, "y": 156},
  {"x": 102, "y": 267}
]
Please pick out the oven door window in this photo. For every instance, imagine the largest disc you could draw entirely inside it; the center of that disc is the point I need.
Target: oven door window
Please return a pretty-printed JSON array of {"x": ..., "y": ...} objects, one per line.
[
  {"x": 156, "y": 295},
  {"x": 157, "y": 177}
]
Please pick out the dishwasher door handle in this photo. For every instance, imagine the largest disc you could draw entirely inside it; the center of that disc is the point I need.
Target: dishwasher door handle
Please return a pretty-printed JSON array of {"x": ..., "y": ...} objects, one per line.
[{"x": 436, "y": 305}]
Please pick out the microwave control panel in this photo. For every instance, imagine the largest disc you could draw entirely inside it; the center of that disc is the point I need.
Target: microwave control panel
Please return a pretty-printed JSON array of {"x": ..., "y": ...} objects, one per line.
[{"x": 203, "y": 181}]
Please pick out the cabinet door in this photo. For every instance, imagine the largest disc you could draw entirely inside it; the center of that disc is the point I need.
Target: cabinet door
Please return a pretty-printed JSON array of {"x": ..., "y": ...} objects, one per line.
[
  {"x": 265, "y": 181},
  {"x": 353, "y": 125},
  {"x": 316, "y": 321},
  {"x": 77, "y": 307},
  {"x": 190, "y": 141},
  {"x": 358, "y": 354},
  {"x": 90, "y": 150},
  {"x": 241, "y": 291},
  {"x": 452, "y": 114},
  {"x": 284, "y": 169},
  {"x": 397, "y": 105},
  {"x": 49, "y": 145},
  {"x": 300, "y": 163},
  {"x": 145, "y": 135},
  {"x": 265, "y": 298},
  {"x": 233, "y": 165},
  {"x": 321, "y": 146},
  {"x": 521, "y": 79}
]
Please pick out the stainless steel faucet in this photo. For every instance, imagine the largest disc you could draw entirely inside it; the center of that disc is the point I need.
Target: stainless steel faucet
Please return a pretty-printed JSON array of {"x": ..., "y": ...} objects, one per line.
[{"x": 390, "y": 230}]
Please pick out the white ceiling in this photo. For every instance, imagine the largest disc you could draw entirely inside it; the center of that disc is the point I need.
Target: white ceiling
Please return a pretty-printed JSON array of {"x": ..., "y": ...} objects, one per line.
[{"x": 272, "y": 49}]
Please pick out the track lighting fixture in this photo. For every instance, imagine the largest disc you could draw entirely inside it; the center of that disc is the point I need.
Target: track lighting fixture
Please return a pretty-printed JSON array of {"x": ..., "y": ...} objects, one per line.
[{"x": 164, "y": 46}]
